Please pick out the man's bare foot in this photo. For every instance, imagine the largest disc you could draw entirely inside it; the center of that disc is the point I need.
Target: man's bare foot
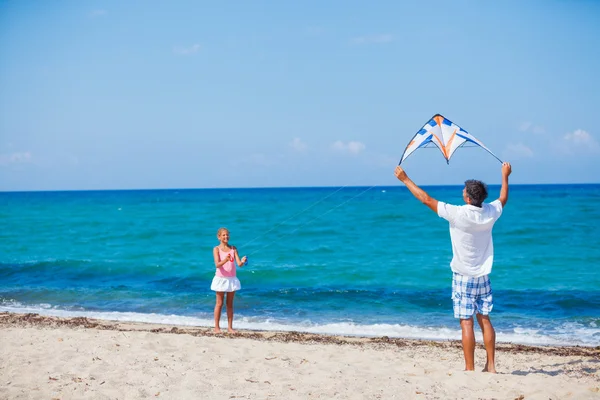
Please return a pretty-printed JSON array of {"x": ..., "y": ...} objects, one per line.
[
  {"x": 217, "y": 330},
  {"x": 230, "y": 330}
]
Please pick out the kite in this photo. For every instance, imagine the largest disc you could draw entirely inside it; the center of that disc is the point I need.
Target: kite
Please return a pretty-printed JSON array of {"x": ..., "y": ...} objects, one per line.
[{"x": 444, "y": 134}]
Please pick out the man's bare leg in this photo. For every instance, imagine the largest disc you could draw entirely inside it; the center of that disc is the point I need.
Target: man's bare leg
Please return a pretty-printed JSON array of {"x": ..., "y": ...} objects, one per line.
[
  {"x": 489, "y": 339},
  {"x": 468, "y": 343},
  {"x": 230, "y": 312},
  {"x": 218, "y": 307}
]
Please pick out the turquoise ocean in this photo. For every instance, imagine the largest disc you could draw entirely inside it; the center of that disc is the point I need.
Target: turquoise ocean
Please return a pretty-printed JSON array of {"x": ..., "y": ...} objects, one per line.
[{"x": 347, "y": 260}]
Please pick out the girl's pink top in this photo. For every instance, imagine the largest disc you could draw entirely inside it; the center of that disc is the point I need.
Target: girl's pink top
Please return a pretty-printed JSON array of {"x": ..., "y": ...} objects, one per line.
[{"x": 228, "y": 269}]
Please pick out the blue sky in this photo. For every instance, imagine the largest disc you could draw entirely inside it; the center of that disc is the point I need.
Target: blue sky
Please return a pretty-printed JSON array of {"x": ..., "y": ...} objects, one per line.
[{"x": 190, "y": 94}]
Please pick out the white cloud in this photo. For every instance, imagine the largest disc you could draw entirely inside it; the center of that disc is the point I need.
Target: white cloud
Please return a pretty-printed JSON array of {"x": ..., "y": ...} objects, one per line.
[
  {"x": 98, "y": 13},
  {"x": 298, "y": 145},
  {"x": 518, "y": 150},
  {"x": 581, "y": 139},
  {"x": 383, "y": 38},
  {"x": 350, "y": 147},
  {"x": 15, "y": 158},
  {"x": 531, "y": 128},
  {"x": 524, "y": 126},
  {"x": 184, "y": 51}
]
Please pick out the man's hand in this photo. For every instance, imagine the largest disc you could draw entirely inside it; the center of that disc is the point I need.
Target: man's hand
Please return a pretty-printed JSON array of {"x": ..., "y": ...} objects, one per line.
[
  {"x": 400, "y": 174},
  {"x": 506, "y": 169},
  {"x": 415, "y": 190}
]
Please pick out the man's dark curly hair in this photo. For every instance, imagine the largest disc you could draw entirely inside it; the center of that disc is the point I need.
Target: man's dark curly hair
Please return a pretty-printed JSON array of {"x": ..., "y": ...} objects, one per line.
[{"x": 477, "y": 192}]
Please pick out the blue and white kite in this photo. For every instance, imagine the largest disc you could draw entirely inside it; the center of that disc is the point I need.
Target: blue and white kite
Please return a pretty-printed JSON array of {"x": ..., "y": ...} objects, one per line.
[{"x": 443, "y": 133}]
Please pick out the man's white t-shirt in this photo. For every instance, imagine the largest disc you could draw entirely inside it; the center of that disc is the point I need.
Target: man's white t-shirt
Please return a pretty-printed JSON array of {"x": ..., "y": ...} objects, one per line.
[{"x": 471, "y": 235}]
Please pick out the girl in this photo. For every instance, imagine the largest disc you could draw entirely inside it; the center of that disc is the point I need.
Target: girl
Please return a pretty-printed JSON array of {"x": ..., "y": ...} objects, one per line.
[{"x": 225, "y": 279}]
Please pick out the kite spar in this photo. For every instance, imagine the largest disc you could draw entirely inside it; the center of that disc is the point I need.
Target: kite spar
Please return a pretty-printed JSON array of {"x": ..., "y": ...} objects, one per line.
[{"x": 444, "y": 134}]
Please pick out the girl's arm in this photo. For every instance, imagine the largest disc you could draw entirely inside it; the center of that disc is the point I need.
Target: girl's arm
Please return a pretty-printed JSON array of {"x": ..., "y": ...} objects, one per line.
[
  {"x": 218, "y": 262},
  {"x": 237, "y": 257}
]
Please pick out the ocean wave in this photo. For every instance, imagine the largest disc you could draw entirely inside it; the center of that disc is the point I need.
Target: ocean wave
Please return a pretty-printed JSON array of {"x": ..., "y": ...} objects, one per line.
[{"x": 566, "y": 334}]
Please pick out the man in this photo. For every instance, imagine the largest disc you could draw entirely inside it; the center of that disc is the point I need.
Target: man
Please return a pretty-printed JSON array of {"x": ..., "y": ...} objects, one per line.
[{"x": 472, "y": 258}]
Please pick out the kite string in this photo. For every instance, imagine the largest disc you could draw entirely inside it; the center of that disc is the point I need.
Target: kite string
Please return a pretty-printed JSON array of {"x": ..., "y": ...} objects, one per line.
[
  {"x": 294, "y": 216},
  {"x": 314, "y": 219}
]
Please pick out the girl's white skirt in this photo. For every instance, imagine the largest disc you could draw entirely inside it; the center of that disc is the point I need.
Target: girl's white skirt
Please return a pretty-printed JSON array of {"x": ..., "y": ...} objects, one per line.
[{"x": 229, "y": 284}]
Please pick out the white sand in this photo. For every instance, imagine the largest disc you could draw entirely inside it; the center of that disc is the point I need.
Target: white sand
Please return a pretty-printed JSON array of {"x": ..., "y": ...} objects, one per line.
[{"x": 58, "y": 358}]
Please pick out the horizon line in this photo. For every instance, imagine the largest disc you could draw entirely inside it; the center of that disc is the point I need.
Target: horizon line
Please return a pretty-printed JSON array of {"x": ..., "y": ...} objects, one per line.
[{"x": 287, "y": 187}]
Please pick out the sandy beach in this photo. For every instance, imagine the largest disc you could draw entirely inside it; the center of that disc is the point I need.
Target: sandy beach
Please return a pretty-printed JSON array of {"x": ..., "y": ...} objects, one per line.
[{"x": 73, "y": 358}]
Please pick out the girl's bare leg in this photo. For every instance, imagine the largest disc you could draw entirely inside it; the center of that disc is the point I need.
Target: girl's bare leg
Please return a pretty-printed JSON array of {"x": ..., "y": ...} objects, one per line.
[
  {"x": 230, "y": 296},
  {"x": 218, "y": 307}
]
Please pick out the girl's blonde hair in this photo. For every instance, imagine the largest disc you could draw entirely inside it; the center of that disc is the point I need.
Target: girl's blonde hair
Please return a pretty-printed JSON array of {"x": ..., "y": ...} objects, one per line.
[{"x": 222, "y": 230}]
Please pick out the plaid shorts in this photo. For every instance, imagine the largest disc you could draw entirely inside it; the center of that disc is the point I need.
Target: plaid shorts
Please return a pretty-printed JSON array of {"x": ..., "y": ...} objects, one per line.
[{"x": 470, "y": 295}]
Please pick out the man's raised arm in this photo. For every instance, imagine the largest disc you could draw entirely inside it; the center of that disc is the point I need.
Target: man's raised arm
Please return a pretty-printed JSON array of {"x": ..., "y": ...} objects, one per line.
[
  {"x": 419, "y": 193},
  {"x": 506, "y": 170}
]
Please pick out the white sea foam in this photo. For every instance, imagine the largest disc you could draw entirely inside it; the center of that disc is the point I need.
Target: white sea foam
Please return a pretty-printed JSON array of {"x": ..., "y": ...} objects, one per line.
[{"x": 568, "y": 334}]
